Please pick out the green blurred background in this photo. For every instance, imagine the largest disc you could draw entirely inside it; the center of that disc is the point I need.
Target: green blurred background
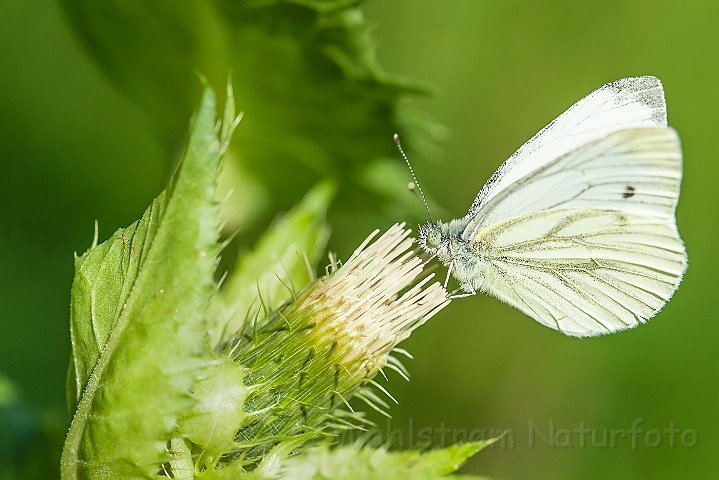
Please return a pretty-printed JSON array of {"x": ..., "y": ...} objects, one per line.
[{"x": 74, "y": 149}]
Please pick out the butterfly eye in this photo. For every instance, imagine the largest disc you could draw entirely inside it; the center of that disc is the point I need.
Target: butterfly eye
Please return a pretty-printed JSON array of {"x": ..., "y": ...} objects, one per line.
[{"x": 433, "y": 239}]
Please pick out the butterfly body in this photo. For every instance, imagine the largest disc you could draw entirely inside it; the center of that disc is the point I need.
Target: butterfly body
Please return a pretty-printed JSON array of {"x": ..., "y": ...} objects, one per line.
[
  {"x": 577, "y": 228},
  {"x": 444, "y": 240}
]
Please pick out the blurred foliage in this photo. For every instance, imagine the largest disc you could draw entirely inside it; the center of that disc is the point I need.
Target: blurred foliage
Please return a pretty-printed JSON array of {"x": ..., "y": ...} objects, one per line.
[
  {"x": 74, "y": 150},
  {"x": 29, "y": 441},
  {"x": 317, "y": 103}
]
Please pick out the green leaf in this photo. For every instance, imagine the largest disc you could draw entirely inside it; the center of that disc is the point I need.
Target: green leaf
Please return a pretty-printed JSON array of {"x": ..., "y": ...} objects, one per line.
[
  {"x": 138, "y": 321},
  {"x": 279, "y": 265},
  {"x": 447, "y": 460},
  {"x": 365, "y": 463}
]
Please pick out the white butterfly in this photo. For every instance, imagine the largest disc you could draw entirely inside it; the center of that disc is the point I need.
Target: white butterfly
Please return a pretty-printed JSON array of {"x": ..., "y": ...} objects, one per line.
[{"x": 577, "y": 229}]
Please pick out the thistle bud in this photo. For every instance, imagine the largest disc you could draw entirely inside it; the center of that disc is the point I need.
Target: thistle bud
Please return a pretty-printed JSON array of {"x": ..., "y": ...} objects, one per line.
[{"x": 308, "y": 358}]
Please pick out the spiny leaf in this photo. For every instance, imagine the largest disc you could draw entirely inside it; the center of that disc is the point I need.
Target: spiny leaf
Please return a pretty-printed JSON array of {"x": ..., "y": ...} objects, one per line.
[
  {"x": 139, "y": 319},
  {"x": 365, "y": 463}
]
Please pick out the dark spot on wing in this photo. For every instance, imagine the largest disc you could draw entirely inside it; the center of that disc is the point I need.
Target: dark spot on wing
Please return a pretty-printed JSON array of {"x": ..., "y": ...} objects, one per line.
[{"x": 628, "y": 192}]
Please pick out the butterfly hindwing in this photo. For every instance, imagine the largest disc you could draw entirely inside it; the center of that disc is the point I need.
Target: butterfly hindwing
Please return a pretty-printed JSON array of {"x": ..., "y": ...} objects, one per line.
[{"x": 582, "y": 271}]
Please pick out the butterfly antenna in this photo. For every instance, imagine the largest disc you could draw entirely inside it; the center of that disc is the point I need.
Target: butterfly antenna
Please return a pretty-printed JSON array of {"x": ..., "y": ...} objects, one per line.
[{"x": 414, "y": 177}]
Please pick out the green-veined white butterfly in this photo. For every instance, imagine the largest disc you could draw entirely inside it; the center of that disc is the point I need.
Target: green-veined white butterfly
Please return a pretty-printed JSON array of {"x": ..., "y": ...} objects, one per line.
[{"x": 576, "y": 229}]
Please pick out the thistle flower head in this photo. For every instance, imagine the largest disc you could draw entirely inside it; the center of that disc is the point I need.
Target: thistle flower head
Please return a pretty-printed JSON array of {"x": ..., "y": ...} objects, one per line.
[{"x": 363, "y": 297}]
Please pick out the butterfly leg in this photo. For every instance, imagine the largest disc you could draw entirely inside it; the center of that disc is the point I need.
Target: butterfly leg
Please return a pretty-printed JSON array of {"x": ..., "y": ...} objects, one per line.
[
  {"x": 449, "y": 272},
  {"x": 430, "y": 258},
  {"x": 454, "y": 295}
]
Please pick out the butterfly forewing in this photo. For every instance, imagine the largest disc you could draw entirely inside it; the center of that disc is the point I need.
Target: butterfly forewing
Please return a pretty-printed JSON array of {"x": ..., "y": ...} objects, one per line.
[
  {"x": 635, "y": 102},
  {"x": 635, "y": 171},
  {"x": 582, "y": 271}
]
